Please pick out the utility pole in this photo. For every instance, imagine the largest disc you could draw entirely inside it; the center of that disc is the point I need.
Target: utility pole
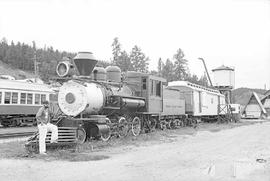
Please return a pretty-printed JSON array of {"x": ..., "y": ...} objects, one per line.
[
  {"x": 206, "y": 71},
  {"x": 36, "y": 63}
]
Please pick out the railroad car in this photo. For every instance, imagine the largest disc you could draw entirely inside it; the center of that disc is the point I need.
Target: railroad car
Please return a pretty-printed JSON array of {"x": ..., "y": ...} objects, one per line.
[
  {"x": 20, "y": 101},
  {"x": 200, "y": 102}
]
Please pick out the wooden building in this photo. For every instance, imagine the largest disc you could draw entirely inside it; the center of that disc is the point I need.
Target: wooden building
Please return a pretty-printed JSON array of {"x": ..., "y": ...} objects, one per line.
[{"x": 254, "y": 108}]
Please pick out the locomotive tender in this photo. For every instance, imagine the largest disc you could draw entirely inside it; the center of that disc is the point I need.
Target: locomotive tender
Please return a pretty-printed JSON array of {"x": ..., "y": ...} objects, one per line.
[{"x": 101, "y": 102}]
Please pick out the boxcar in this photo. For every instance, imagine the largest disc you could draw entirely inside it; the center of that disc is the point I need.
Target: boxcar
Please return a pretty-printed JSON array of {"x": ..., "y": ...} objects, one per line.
[{"x": 199, "y": 101}]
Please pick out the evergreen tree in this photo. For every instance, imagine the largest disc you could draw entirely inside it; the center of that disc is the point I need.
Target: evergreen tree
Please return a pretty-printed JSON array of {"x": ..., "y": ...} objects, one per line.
[
  {"x": 193, "y": 79},
  {"x": 180, "y": 65},
  {"x": 167, "y": 71},
  {"x": 138, "y": 60},
  {"x": 116, "y": 51},
  {"x": 3, "y": 48},
  {"x": 120, "y": 58},
  {"x": 204, "y": 80},
  {"x": 160, "y": 67},
  {"x": 125, "y": 63},
  {"x": 102, "y": 63}
]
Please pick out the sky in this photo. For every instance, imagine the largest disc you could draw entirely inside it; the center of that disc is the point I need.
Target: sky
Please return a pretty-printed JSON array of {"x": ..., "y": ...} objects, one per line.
[{"x": 234, "y": 33}]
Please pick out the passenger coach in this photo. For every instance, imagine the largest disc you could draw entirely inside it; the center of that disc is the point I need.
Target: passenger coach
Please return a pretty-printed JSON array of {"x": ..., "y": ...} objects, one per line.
[{"x": 20, "y": 101}]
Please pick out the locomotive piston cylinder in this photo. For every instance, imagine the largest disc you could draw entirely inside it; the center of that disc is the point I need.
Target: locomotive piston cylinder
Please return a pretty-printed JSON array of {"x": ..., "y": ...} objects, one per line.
[
  {"x": 103, "y": 129},
  {"x": 133, "y": 103}
]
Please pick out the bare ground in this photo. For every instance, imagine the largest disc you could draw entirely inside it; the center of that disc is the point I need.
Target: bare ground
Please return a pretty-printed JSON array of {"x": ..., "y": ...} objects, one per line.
[{"x": 210, "y": 152}]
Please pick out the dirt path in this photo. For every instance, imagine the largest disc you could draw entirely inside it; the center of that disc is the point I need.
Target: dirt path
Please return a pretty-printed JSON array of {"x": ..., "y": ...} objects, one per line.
[{"x": 226, "y": 155}]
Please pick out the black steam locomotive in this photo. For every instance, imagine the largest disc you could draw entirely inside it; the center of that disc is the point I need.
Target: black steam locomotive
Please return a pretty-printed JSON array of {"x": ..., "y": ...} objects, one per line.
[{"x": 100, "y": 102}]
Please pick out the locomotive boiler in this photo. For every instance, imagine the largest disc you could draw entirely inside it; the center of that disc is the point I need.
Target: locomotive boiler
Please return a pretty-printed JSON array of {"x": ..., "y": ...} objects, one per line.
[{"x": 96, "y": 100}]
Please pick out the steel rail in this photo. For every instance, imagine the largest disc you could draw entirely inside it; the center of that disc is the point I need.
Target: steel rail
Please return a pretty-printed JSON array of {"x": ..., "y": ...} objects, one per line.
[{"x": 14, "y": 135}]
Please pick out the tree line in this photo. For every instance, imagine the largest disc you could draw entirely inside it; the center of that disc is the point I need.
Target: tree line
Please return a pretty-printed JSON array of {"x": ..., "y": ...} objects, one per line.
[
  {"x": 172, "y": 69},
  {"x": 22, "y": 56}
]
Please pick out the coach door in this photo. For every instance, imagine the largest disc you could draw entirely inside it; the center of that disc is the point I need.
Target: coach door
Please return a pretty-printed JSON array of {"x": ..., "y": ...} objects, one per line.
[{"x": 200, "y": 101}]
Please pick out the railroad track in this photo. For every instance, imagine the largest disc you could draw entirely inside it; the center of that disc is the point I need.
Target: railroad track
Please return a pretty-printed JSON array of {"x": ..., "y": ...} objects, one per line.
[{"x": 14, "y": 135}]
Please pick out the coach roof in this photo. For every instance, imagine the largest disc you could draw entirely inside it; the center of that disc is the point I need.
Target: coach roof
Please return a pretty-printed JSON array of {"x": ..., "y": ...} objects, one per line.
[
  {"x": 17, "y": 85},
  {"x": 192, "y": 86}
]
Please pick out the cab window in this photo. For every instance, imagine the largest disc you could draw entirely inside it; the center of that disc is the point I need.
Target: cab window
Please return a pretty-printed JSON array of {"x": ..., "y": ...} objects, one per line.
[
  {"x": 158, "y": 88},
  {"x": 144, "y": 83},
  {"x": 152, "y": 87}
]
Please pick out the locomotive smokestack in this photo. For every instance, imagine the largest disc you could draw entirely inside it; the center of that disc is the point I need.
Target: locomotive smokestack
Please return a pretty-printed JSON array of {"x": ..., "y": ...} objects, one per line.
[{"x": 85, "y": 63}]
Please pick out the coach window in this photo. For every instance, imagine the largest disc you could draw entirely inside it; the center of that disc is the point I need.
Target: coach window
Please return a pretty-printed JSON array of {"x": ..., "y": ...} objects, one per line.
[
  {"x": 158, "y": 88},
  {"x": 7, "y": 97},
  {"x": 0, "y": 97},
  {"x": 29, "y": 98},
  {"x": 43, "y": 98},
  {"x": 14, "y": 98},
  {"x": 23, "y": 98},
  {"x": 37, "y": 98}
]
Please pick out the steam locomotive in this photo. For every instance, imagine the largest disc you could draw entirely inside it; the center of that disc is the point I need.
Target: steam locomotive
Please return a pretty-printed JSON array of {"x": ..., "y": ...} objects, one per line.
[{"x": 101, "y": 102}]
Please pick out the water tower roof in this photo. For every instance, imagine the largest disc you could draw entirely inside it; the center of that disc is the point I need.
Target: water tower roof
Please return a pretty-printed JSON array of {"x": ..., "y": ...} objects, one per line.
[{"x": 223, "y": 67}]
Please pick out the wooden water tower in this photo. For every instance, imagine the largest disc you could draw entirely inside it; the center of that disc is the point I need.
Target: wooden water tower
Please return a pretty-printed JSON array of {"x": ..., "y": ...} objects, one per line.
[{"x": 224, "y": 81}]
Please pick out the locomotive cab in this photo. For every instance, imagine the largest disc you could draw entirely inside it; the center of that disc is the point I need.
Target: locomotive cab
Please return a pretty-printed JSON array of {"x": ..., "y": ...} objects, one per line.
[{"x": 149, "y": 87}]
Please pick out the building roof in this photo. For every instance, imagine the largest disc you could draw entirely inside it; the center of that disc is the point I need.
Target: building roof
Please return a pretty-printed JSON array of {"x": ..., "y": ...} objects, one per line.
[
  {"x": 223, "y": 67},
  {"x": 256, "y": 97},
  {"x": 267, "y": 93},
  {"x": 265, "y": 97}
]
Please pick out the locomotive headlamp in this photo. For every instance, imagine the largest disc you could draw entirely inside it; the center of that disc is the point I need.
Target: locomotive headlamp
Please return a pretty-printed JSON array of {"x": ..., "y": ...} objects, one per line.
[{"x": 64, "y": 69}]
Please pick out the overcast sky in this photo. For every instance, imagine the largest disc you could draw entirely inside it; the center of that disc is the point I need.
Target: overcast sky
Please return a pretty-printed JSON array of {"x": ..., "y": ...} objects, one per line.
[{"x": 234, "y": 33}]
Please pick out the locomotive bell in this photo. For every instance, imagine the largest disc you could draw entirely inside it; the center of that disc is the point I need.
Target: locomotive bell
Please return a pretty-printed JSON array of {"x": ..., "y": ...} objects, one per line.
[{"x": 85, "y": 63}]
